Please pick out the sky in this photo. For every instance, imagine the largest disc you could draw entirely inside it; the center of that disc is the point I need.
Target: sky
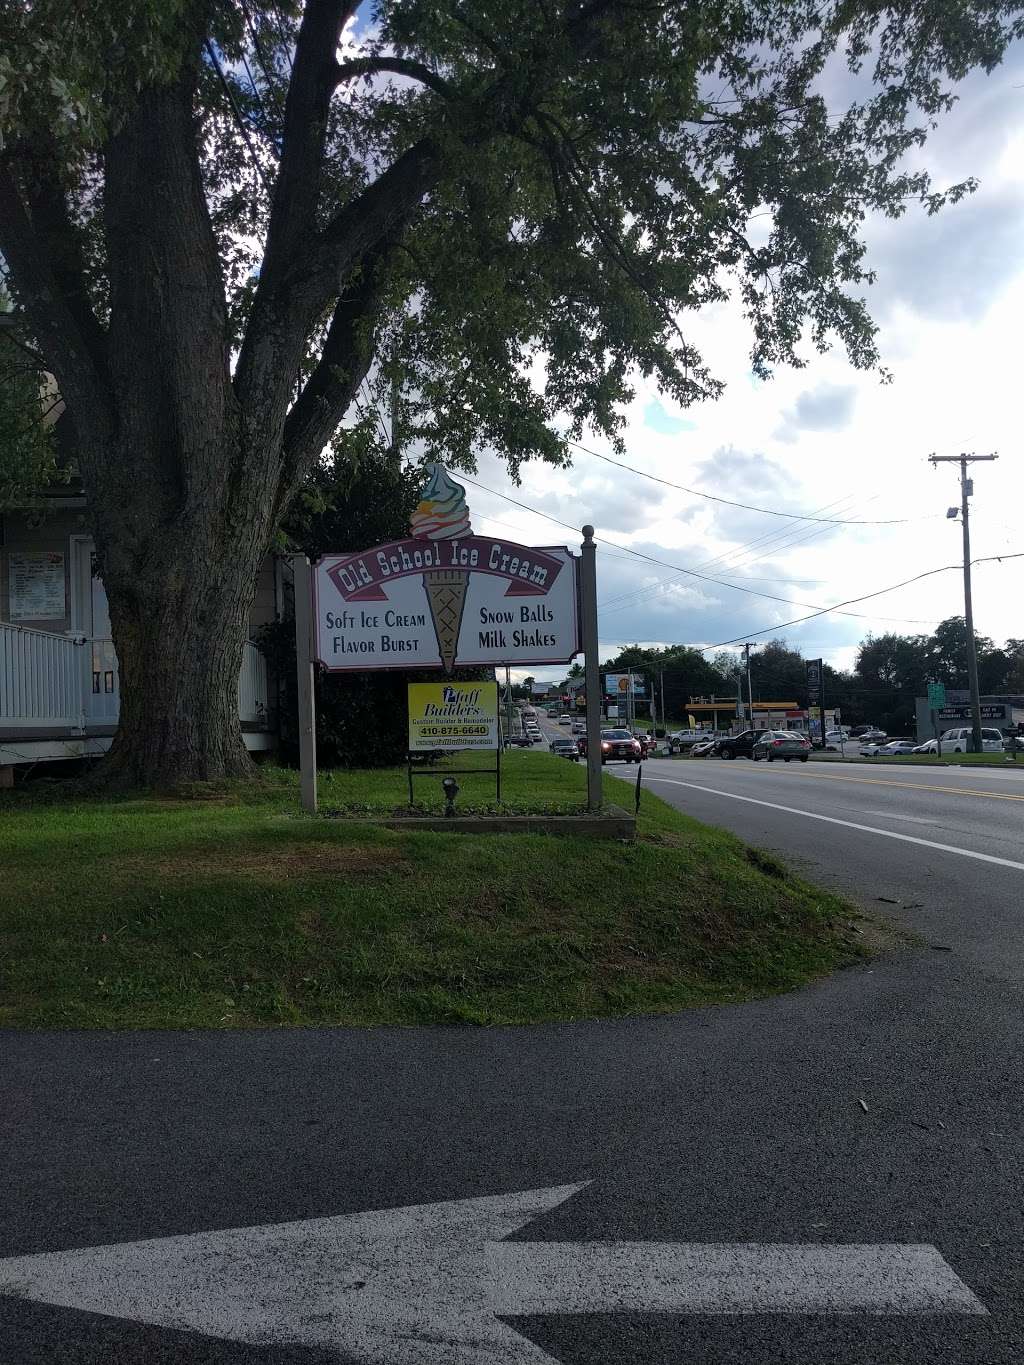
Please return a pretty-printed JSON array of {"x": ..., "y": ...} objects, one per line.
[{"x": 826, "y": 440}]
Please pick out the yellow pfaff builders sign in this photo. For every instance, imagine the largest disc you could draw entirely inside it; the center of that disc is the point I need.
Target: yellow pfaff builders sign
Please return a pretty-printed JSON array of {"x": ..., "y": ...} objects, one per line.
[{"x": 453, "y": 715}]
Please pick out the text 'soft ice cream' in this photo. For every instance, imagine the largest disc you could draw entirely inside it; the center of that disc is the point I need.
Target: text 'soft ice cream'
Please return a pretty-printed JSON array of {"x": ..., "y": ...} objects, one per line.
[{"x": 442, "y": 513}]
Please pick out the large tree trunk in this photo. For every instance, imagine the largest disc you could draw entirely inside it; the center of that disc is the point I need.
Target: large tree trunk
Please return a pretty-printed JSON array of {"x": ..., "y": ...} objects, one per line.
[{"x": 179, "y": 629}]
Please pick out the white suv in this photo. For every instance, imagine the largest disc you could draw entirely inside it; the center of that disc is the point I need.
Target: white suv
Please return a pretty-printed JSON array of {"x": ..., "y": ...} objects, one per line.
[{"x": 959, "y": 741}]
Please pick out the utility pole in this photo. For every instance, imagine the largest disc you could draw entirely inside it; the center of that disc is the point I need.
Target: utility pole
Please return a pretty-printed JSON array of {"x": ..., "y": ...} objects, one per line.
[
  {"x": 750, "y": 689},
  {"x": 966, "y": 489},
  {"x": 395, "y": 447}
]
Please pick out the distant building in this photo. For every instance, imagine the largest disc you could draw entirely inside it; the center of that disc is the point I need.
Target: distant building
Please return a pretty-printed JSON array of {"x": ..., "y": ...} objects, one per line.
[
  {"x": 725, "y": 713},
  {"x": 1004, "y": 713}
]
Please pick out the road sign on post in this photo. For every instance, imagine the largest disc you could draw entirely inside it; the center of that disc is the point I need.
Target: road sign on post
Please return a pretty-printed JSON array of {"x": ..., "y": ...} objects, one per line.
[{"x": 936, "y": 696}]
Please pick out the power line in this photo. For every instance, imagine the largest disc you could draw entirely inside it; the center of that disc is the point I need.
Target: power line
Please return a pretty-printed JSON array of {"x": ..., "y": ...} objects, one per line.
[
  {"x": 261, "y": 58},
  {"x": 243, "y": 126},
  {"x": 751, "y": 592},
  {"x": 760, "y": 540},
  {"x": 729, "y": 502},
  {"x": 783, "y": 625},
  {"x": 365, "y": 390},
  {"x": 720, "y": 560}
]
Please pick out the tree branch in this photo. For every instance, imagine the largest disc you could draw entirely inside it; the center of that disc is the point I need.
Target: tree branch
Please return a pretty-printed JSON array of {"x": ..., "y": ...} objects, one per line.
[
  {"x": 399, "y": 66},
  {"x": 42, "y": 245},
  {"x": 345, "y": 358},
  {"x": 313, "y": 81}
]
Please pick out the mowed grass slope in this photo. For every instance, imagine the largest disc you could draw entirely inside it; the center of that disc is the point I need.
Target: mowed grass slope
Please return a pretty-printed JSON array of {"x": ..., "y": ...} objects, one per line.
[{"x": 237, "y": 910}]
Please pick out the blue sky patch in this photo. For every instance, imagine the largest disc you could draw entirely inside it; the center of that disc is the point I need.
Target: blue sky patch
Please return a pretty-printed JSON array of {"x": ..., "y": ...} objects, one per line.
[{"x": 663, "y": 422}]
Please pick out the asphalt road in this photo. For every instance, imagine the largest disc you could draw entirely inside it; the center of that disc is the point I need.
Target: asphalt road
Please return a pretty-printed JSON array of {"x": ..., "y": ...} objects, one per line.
[
  {"x": 880, "y": 1108},
  {"x": 943, "y": 845}
]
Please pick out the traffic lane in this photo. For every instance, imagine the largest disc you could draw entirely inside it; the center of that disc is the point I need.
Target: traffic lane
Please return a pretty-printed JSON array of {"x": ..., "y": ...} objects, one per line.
[
  {"x": 736, "y": 1124},
  {"x": 985, "y": 818},
  {"x": 951, "y": 774},
  {"x": 953, "y": 902}
]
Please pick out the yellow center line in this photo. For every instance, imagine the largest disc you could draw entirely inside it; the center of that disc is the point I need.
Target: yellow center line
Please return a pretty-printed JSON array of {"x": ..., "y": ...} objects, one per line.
[{"x": 914, "y": 786}]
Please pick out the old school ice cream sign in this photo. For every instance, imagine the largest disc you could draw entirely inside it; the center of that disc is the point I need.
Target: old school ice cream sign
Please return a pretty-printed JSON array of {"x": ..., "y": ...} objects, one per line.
[{"x": 445, "y": 597}]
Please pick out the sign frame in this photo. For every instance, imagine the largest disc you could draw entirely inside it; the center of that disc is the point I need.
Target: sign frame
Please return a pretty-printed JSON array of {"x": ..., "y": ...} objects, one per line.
[
  {"x": 457, "y": 689},
  {"x": 403, "y": 664},
  {"x": 426, "y": 753}
]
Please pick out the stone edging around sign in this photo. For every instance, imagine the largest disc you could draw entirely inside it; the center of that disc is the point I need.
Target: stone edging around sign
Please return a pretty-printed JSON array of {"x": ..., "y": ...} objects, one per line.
[{"x": 612, "y": 823}]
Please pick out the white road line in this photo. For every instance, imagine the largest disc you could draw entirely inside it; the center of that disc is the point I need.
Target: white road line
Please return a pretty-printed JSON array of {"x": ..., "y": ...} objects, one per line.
[
  {"x": 723, "y": 1278},
  {"x": 847, "y": 824}
]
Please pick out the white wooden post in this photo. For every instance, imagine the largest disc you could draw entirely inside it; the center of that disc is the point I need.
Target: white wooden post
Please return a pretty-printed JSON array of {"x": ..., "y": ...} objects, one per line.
[
  {"x": 588, "y": 604},
  {"x": 304, "y": 675}
]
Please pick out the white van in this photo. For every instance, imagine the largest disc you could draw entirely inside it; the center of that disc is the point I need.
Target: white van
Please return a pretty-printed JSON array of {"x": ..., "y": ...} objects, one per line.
[{"x": 959, "y": 741}]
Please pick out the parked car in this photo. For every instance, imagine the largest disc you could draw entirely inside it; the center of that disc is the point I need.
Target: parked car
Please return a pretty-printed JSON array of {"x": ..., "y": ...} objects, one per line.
[
  {"x": 835, "y": 739},
  {"x": 705, "y": 748},
  {"x": 686, "y": 739},
  {"x": 887, "y": 748},
  {"x": 958, "y": 741},
  {"x": 565, "y": 748},
  {"x": 784, "y": 744},
  {"x": 739, "y": 746},
  {"x": 896, "y": 748},
  {"x": 872, "y": 735},
  {"x": 618, "y": 744}
]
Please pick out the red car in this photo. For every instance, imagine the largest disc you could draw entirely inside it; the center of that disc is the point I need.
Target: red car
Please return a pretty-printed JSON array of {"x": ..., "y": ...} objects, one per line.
[{"x": 616, "y": 744}]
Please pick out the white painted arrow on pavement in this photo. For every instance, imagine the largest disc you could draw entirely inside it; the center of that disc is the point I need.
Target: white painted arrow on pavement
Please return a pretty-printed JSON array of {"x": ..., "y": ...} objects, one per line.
[{"x": 425, "y": 1285}]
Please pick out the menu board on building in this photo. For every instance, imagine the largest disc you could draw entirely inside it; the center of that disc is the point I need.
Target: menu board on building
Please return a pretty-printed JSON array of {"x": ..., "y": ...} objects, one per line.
[{"x": 36, "y": 584}]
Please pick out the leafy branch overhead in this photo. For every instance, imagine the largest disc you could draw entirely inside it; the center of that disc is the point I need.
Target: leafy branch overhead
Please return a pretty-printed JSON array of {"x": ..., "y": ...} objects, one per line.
[{"x": 511, "y": 205}]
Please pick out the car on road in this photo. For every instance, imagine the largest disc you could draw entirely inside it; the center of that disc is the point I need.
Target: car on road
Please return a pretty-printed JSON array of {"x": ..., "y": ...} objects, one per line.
[
  {"x": 616, "y": 744},
  {"x": 784, "y": 744},
  {"x": 565, "y": 720},
  {"x": 865, "y": 732},
  {"x": 565, "y": 748},
  {"x": 579, "y": 727},
  {"x": 648, "y": 745},
  {"x": 521, "y": 741},
  {"x": 705, "y": 748},
  {"x": 872, "y": 735},
  {"x": 739, "y": 746}
]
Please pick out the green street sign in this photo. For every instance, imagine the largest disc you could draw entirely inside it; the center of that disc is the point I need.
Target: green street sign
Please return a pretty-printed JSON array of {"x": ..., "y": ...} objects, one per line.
[{"x": 936, "y": 696}]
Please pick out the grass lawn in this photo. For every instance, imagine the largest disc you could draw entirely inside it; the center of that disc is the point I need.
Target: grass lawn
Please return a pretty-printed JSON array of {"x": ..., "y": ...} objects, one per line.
[{"x": 237, "y": 910}]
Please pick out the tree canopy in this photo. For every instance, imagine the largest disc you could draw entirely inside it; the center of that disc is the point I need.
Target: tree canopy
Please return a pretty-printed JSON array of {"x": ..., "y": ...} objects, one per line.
[{"x": 483, "y": 186}]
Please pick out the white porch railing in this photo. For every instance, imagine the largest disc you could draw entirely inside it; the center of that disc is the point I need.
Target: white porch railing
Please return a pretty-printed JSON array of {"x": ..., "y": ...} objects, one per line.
[
  {"x": 40, "y": 679},
  {"x": 252, "y": 686},
  {"x": 67, "y": 682}
]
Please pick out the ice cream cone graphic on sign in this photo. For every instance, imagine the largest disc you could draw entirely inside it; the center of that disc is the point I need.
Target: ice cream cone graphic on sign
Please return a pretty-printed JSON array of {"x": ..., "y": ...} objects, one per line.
[{"x": 442, "y": 514}]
